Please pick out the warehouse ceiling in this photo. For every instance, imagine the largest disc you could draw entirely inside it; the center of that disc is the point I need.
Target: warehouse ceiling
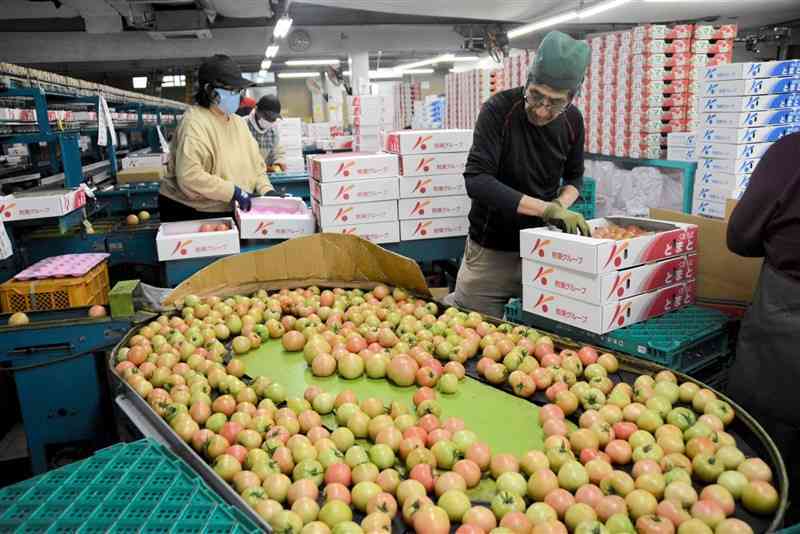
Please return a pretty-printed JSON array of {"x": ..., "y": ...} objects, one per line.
[{"x": 126, "y": 37}]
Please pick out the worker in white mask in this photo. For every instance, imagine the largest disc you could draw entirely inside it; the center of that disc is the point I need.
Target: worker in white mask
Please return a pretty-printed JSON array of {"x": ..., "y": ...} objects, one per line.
[
  {"x": 262, "y": 122},
  {"x": 215, "y": 164}
]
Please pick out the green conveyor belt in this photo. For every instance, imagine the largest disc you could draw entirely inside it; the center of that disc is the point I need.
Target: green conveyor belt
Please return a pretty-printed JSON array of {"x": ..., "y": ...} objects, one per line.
[{"x": 505, "y": 422}]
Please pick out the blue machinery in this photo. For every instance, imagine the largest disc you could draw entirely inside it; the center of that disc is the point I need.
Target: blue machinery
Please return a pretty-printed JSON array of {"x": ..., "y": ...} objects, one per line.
[{"x": 58, "y": 362}]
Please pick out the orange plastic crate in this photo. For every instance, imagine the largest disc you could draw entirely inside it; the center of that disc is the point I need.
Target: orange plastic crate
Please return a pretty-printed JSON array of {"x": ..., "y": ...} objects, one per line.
[{"x": 56, "y": 293}]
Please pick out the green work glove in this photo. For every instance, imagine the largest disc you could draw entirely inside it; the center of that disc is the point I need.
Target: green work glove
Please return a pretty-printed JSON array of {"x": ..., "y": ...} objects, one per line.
[{"x": 572, "y": 221}]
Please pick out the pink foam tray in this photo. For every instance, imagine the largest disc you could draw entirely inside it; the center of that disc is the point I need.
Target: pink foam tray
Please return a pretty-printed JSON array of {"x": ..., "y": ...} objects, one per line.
[{"x": 62, "y": 266}]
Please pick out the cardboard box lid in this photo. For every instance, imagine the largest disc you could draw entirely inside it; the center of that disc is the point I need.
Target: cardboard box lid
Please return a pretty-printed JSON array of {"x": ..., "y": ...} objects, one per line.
[
  {"x": 319, "y": 259},
  {"x": 722, "y": 276}
]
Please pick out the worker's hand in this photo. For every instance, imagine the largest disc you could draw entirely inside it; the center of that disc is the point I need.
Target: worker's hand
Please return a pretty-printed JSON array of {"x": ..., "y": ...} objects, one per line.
[
  {"x": 572, "y": 222},
  {"x": 277, "y": 167},
  {"x": 273, "y": 193},
  {"x": 242, "y": 198}
]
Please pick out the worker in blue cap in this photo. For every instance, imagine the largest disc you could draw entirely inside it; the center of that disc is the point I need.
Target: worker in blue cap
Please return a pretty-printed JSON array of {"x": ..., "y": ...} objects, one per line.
[{"x": 525, "y": 169}]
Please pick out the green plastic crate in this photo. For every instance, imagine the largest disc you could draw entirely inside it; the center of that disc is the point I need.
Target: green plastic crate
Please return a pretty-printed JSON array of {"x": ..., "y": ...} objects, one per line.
[
  {"x": 587, "y": 199},
  {"x": 125, "y": 488},
  {"x": 687, "y": 340}
]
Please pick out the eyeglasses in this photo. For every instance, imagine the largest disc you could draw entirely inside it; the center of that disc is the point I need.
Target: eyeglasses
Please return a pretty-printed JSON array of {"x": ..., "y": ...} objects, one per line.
[
  {"x": 232, "y": 89},
  {"x": 535, "y": 99}
]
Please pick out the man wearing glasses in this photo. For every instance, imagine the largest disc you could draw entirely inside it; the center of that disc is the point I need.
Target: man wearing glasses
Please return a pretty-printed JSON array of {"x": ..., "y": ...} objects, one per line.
[
  {"x": 525, "y": 169},
  {"x": 215, "y": 162}
]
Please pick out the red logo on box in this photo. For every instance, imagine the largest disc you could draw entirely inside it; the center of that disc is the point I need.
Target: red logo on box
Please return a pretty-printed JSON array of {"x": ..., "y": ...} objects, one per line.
[
  {"x": 342, "y": 214},
  {"x": 344, "y": 192},
  {"x": 542, "y": 302},
  {"x": 422, "y": 228},
  {"x": 543, "y": 272},
  {"x": 619, "y": 315},
  {"x": 263, "y": 227},
  {"x": 419, "y": 207},
  {"x": 6, "y": 210},
  {"x": 538, "y": 247},
  {"x": 181, "y": 248},
  {"x": 421, "y": 142},
  {"x": 421, "y": 185},
  {"x": 424, "y": 164},
  {"x": 344, "y": 168}
]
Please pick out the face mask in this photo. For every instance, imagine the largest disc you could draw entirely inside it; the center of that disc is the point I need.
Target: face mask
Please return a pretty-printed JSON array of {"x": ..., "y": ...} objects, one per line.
[
  {"x": 228, "y": 100},
  {"x": 264, "y": 124}
]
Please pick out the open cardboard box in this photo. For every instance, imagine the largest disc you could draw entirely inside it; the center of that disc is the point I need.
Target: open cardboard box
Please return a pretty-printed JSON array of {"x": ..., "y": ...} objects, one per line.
[
  {"x": 319, "y": 259},
  {"x": 42, "y": 204},
  {"x": 593, "y": 256},
  {"x": 183, "y": 240},
  {"x": 275, "y": 218}
]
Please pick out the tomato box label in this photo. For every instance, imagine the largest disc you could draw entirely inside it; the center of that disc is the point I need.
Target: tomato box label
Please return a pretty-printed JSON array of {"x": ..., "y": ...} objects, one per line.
[
  {"x": 41, "y": 204},
  {"x": 708, "y": 208},
  {"x": 428, "y": 141},
  {"x": 385, "y": 232},
  {"x": 728, "y": 166},
  {"x": 432, "y": 186},
  {"x": 354, "y": 191},
  {"x": 750, "y": 103},
  {"x": 411, "y": 230},
  {"x": 763, "y": 86},
  {"x": 434, "y": 207},
  {"x": 768, "y": 134},
  {"x": 703, "y": 178},
  {"x": 433, "y": 164},
  {"x": 592, "y": 255},
  {"x": 184, "y": 240},
  {"x": 355, "y": 213},
  {"x": 601, "y": 319},
  {"x": 352, "y": 166},
  {"x": 749, "y": 71},
  {"x": 605, "y": 287},
  {"x": 750, "y": 119}
]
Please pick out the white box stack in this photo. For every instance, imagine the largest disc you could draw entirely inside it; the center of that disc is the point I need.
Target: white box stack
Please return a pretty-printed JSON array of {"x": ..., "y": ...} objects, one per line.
[
  {"x": 433, "y": 199},
  {"x": 681, "y": 146},
  {"x": 356, "y": 193},
  {"x": 367, "y": 114},
  {"x": 290, "y": 132},
  {"x": 744, "y": 109},
  {"x": 601, "y": 285}
]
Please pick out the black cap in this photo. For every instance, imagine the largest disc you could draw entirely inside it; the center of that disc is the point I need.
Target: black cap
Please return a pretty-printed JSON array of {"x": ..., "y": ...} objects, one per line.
[
  {"x": 269, "y": 103},
  {"x": 222, "y": 70}
]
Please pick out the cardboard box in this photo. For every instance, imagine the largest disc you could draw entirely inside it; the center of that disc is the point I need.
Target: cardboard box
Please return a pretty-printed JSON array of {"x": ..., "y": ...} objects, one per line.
[
  {"x": 428, "y": 141},
  {"x": 750, "y": 103},
  {"x": 144, "y": 160},
  {"x": 662, "y": 31},
  {"x": 353, "y": 165},
  {"x": 432, "y": 186},
  {"x": 593, "y": 256},
  {"x": 42, "y": 204},
  {"x": 709, "y": 31},
  {"x": 183, "y": 240},
  {"x": 382, "y": 232},
  {"x": 728, "y": 166},
  {"x": 751, "y": 119},
  {"x": 601, "y": 319},
  {"x": 606, "y": 287},
  {"x": 433, "y": 164},
  {"x": 680, "y": 153},
  {"x": 275, "y": 218},
  {"x": 749, "y": 71},
  {"x": 708, "y": 208},
  {"x": 411, "y": 230},
  {"x": 683, "y": 139},
  {"x": 711, "y": 193},
  {"x": 140, "y": 174},
  {"x": 434, "y": 207},
  {"x": 764, "y": 86},
  {"x": 731, "y": 151},
  {"x": 767, "y": 134},
  {"x": 332, "y": 193},
  {"x": 720, "y": 180},
  {"x": 355, "y": 213}
]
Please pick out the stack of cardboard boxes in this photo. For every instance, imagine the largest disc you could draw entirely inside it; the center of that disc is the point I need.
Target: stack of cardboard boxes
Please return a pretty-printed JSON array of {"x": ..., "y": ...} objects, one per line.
[
  {"x": 601, "y": 285},
  {"x": 429, "y": 113},
  {"x": 371, "y": 115},
  {"x": 433, "y": 201},
  {"x": 356, "y": 193},
  {"x": 291, "y": 141},
  {"x": 746, "y": 107},
  {"x": 681, "y": 146},
  {"x": 642, "y": 85}
]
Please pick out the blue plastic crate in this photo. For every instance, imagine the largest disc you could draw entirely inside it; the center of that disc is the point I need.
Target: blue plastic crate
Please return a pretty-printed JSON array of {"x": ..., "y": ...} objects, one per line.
[{"x": 687, "y": 340}]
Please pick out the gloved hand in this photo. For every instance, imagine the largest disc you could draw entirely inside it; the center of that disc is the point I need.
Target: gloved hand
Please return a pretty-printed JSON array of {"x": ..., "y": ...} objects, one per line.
[
  {"x": 572, "y": 221},
  {"x": 242, "y": 198}
]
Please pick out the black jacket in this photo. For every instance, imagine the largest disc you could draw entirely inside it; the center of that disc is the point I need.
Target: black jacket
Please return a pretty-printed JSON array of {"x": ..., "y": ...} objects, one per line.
[{"x": 509, "y": 158}]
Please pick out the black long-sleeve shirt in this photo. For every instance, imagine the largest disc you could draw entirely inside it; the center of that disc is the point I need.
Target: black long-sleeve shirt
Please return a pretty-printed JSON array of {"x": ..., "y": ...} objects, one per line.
[
  {"x": 766, "y": 221},
  {"x": 509, "y": 158}
]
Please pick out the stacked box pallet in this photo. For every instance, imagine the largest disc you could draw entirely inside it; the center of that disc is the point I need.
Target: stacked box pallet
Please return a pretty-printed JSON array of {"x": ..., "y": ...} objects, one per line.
[
  {"x": 433, "y": 200},
  {"x": 641, "y": 85},
  {"x": 744, "y": 109},
  {"x": 291, "y": 140},
  {"x": 356, "y": 193},
  {"x": 371, "y": 115}
]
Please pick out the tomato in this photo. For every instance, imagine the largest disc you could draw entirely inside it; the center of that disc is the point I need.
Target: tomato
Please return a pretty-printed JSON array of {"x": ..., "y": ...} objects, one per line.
[{"x": 431, "y": 520}]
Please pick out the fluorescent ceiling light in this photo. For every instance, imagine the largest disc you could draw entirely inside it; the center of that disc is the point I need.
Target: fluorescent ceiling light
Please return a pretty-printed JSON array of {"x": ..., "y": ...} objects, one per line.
[
  {"x": 311, "y": 62},
  {"x": 542, "y": 24},
  {"x": 422, "y": 63},
  {"x": 458, "y": 59},
  {"x": 298, "y": 74},
  {"x": 418, "y": 71},
  {"x": 272, "y": 51},
  {"x": 600, "y": 7},
  {"x": 266, "y": 64},
  {"x": 281, "y": 29},
  {"x": 140, "y": 82}
]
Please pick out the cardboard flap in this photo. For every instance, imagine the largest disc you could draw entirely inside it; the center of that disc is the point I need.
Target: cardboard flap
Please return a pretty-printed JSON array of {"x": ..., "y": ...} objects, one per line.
[{"x": 319, "y": 259}]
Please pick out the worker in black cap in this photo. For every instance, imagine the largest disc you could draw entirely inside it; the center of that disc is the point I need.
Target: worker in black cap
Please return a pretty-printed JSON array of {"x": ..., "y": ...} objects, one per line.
[
  {"x": 215, "y": 164},
  {"x": 262, "y": 121},
  {"x": 525, "y": 169}
]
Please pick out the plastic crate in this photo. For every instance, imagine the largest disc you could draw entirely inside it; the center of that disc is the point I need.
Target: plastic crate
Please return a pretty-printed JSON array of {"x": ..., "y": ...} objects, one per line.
[
  {"x": 56, "y": 293},
  {"x": 687, "y": 340},
  {"x": 125, "y": 488},
  {"x": 587, "y": 199}
]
